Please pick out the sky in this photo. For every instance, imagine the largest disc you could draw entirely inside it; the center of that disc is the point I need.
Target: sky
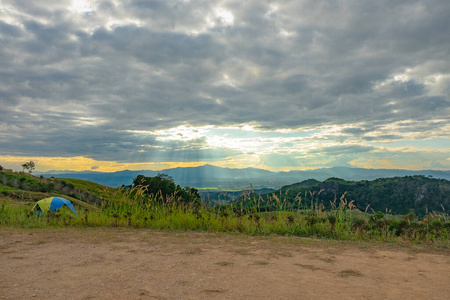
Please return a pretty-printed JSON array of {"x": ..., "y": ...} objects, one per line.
[{"x": 277, "y": 85}]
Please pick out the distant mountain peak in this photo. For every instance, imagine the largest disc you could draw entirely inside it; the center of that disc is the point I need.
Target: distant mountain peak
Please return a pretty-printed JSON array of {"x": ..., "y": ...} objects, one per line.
[{"x": 234, "y": 179}]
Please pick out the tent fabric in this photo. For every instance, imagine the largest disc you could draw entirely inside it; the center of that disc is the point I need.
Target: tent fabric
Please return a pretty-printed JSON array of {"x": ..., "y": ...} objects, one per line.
[{"x": 53, "y": 204}]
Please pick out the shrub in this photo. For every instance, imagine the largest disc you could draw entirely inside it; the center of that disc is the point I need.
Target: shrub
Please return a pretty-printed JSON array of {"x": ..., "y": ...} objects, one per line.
[
  {"x": 359, "y": 224},
  {"x": 402, "y": 227},
  {"x": 436, "y": 224}
]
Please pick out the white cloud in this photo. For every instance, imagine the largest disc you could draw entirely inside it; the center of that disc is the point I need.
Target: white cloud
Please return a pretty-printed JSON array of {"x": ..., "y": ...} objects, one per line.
[
  {"x": 247, "y": 77},
  {"x": 82, "y": 6}
]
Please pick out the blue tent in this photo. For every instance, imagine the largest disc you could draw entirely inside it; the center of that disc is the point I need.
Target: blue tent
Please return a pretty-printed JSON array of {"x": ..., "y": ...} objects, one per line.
[{"x": 53, "y": 204}]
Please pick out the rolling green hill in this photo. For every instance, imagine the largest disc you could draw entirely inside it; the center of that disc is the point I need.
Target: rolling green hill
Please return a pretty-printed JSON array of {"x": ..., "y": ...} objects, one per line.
[
  {"x": 299, "y": 209},
  {"x": 26, "y": 188},
  {"x": 398, "y": 194}
]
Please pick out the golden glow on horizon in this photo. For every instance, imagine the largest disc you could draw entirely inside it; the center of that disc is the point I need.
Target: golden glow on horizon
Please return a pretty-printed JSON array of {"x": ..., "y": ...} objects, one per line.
[
  {"x": 372, "y": 163},
  {"x": 79, "y": 163},
  {"x": 384, "y": 164},
  {"x": 406, "y": 157}
]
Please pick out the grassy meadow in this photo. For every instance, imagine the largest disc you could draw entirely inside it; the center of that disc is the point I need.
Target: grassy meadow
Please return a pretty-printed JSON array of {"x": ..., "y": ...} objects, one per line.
[{"x": 134, "y": 208}]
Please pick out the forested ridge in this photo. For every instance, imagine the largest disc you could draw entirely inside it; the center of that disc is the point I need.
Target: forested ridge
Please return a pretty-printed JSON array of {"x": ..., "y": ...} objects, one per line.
[{"x": 396, "y": 195}]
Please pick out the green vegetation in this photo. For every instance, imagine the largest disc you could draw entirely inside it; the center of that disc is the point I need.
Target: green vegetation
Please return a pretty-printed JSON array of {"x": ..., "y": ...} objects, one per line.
[
  {"x": 391, "y": 195},
  {"x": 26, "y": 187},
  {"x": 174, "y": 208},
  {"x": 164, "y": 186}
]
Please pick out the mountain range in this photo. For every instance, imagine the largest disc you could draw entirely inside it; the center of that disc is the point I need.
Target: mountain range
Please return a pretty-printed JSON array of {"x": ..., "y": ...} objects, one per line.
[{"x": 209, "y": 176}]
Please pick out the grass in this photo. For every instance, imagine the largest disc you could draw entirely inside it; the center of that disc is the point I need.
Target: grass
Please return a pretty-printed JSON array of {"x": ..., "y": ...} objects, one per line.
[
  {"x": 350, "y": 272},
  {"x": 309, "y": 267},
  {"x": 103, "y": 192},
  {"x": 211, "y": 291},
  {"x": 193, "y": 251},
  {"x": 133, "y": 208},
  {"x": 243, "y": 252},
  {"x": 224, "y": 263},
  {"x": 260, "y": 262}
]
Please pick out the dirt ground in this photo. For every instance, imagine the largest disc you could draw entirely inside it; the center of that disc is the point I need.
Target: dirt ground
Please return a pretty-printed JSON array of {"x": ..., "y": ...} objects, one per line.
[{"x": 145, "y": 264}]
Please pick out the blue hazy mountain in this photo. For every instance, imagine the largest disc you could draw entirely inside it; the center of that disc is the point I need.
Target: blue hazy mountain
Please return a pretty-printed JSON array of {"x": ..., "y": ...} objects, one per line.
[{"x": 236, "y": 179}]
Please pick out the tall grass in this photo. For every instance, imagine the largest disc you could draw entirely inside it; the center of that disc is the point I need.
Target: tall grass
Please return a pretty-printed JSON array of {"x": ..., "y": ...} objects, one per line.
[{"x": 307, "y": 218}]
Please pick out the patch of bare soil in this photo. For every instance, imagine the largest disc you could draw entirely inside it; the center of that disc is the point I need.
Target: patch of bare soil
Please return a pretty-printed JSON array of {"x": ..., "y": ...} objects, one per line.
[{"x": 144, "y": 264}]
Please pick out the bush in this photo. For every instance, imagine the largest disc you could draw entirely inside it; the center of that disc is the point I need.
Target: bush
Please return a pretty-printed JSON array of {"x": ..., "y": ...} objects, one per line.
[
  {"x": 359, "y": 224},
  {"x": 402, "y": 227},
  {"x": 436, "y": 224},
  {"x": 393, "y": 225},
  {"x": 163, "y": 186}
]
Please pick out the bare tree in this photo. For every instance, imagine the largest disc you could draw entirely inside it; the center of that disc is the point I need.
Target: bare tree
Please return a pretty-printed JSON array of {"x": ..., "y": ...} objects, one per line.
[{"x": 29, "y": 166}]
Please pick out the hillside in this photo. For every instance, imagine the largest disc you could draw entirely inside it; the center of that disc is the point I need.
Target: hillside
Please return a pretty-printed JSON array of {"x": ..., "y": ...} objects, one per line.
[
  {"x": 398, "y": 194},
  {"x": 23, "y": 187},
  {"x": 309, "y": 208}
]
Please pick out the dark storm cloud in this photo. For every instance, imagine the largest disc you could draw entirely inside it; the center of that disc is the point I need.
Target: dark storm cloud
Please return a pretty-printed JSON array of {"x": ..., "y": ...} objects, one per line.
[
  {"x": 147, "y": 65},
  {"x": 103, "y": 143},
  {"x": 9, "y": 30}
]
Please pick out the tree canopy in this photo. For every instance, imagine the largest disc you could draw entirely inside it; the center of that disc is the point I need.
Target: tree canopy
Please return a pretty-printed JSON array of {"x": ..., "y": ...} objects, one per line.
[
  {"x": 164, "y": 185},
  {"x": 397, "y": 194},
  {"x": 29, "y": 166}
]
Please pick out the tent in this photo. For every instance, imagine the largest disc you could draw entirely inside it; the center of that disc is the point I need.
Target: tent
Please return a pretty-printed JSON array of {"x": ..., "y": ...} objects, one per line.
[{"x": 53, "y": 204}]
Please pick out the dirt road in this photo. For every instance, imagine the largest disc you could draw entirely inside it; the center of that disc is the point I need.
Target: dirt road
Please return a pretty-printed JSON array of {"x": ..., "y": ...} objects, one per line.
[{"x": 145, "y": 264}]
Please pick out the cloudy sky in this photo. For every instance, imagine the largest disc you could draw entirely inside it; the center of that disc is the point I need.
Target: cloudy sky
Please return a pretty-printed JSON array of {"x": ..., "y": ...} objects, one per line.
[{"x": 279, "y": 85}]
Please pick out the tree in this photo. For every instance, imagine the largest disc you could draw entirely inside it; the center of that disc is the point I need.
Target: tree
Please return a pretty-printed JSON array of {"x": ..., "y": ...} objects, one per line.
[
  {"x": 164, "y": 185},
  {"x": 191, "y": 194},
  {"x": 29, "y": 166},
  {"x": 1, "y": 168}
]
